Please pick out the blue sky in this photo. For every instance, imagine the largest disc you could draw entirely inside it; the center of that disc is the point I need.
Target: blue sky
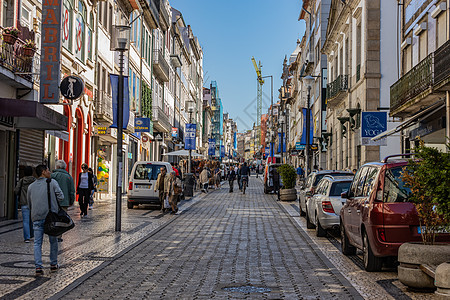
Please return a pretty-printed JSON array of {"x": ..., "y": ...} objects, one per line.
[{"x": 230, "y": 33}]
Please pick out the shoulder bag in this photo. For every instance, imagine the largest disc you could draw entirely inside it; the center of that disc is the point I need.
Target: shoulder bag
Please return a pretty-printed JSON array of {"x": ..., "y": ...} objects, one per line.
[{"x": 56, "y": 224}]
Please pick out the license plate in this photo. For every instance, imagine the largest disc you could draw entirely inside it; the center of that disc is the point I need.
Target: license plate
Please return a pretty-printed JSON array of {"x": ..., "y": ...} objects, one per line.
[
  {"x": 143, "y": 186},
  {"x": 440, "y": 230}
]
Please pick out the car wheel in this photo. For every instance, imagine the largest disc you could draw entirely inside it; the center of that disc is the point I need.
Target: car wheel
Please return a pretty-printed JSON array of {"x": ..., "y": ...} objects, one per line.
[
  {"x": 302, "y": 212},
  {"x": 130, "y": 205},
  {"x": 265, "y": 190},
  {"x": 346, "y": 248},
  {"x": 371, "y": 262},
  {"x": 309, "y": 225},
  {"x": 320, "y": 231}
]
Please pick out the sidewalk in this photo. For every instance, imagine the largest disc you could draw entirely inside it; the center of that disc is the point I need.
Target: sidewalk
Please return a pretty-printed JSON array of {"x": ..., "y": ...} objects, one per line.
[{"x": 88, "y": 245}]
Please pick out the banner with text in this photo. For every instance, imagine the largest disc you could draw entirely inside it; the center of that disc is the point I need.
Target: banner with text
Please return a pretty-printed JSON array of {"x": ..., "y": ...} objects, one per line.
[
  {"x": 189, "y": 139},
  {"x": 212, "y": 147}
]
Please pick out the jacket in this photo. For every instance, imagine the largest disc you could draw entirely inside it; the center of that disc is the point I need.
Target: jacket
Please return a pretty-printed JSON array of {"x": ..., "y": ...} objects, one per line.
[
  {"x": 22, "y": 188},
  {"x": 166, "y": 183},
  {"x": 231, "y": 175},
  {"x": 175, "y": 181},
  {"x": 66, "y": 184},
  {"x": 204, "y": 176},
  {"x": 38, "y": 200},
  {"x": 90, "y": 181},
  {"x": 245, "y": 170}
]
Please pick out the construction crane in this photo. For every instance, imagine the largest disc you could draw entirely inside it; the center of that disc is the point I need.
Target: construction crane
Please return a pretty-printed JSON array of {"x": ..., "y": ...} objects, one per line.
[{"x": 260, "y": 80}]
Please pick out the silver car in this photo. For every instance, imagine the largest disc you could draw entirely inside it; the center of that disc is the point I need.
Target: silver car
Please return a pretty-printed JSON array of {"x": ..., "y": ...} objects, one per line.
[{"x": 324, "y": 206}]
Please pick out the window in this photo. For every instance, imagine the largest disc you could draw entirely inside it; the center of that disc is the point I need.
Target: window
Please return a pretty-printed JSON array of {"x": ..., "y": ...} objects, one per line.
[
  {"x": 26, "y": 16},
  {"x": 361, "y": 182},
  {"x": 67, "y": 25},
  {"x": 339, "y": 187},
  {"x": 358, "y": 44},
  {"x": 394, "y": 187},
  {"x": 90, "y": 39},
  {"x": 110, "y": 18},
  {"x": 371, "y": 176},
  {"x": 147, "y": 172},
  {"x": 442, "y": 28},
  {"x": 80, "y": 29},
  {"x": 423, "y": 45}
]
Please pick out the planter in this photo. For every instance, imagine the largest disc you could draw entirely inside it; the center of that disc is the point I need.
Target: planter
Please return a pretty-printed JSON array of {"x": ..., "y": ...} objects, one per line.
[
  {"x": 442, "y": 279},
  {"x": 28, "y": 52},
  {"x": 412, "y": 255},
  {"x": 288, "y": 194},
  {"x": 9, "y": 38}
]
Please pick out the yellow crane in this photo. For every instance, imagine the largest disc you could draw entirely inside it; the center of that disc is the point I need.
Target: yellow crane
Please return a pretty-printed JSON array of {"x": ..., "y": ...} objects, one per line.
[{"x": 260, "y": 80}]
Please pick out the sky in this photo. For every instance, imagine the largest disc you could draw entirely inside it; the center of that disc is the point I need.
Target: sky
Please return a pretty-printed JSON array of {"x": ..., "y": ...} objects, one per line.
[{"x": 231, "y": 32}]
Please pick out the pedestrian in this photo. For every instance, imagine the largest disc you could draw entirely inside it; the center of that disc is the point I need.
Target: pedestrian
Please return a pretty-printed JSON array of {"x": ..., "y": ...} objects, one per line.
[
  {"x": 21, "y": 190},
  {"x": 65, "y": 182},
  {"x": 91, "y": 198},
  {"x": 84, "y": 188},
  {"x": 299, "y": 172},
  {"x": 231, "y": 178},
  {"x": 217, "y": 176},
  {"x": 204, "y": 179},
  {"x": 174, "y": 191},
  {"x": 239, "y": 177},
  {"x": 161, "y": 183},
  {"x": 37, "y": 198},
  {"x": 180, "y": 174}
]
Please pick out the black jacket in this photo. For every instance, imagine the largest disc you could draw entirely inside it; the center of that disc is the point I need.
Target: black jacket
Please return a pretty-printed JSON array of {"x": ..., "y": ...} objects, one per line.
[{"x": 90, "y": 181}]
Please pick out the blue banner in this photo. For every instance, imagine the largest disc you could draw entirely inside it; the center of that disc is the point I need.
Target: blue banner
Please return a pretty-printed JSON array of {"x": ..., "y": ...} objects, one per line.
[
  {"x": 235, "y": 141},
  {"x": 126, "y": 100},
  {"x": 212, "y": 147},
  {"x": 284, "y": 142},
  {"x": 142, "y": 125},
  {"x": 311, "y": 128},
  {"x": 222, "y": 151},
  {"x": 267, "y": 151},
  {"x": 189, "y": 139}
]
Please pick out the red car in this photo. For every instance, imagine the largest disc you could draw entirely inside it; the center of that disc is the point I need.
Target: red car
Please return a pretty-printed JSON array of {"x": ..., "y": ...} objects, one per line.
[{"x": 377, "y": 217}]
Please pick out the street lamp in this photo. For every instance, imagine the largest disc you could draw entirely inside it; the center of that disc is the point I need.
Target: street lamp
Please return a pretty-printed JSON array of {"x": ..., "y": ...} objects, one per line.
[
  {"x": 308, "y": 81},
  {"x": 282, "y": 134},
  {"x": 120, "y": 41},
  {"x": 190, "y": 110}
]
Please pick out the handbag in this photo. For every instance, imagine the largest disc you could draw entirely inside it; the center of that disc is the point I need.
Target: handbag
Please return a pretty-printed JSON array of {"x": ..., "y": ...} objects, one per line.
[
  {"x": 166, "y": 202},
  {"x": 56, "y": 224}
]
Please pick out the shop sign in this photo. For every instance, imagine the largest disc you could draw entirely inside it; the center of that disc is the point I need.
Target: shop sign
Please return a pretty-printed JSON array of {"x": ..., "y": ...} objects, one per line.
[
  {"x": 142, "y": 125},
  {"x": 158, "y": 136},
  {"x": 72, "y": 87},
  {"x": 50, "y": 71},
  {"x": 174, "y": 132},
  {"x": 372, "y": 124},
  {"x": 299, "y": 146},
  {"x": 101, "y": 130}
]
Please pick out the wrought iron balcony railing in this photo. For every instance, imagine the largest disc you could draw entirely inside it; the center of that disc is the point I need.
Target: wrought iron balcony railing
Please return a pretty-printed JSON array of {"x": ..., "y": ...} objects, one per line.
[
  {"x": 416, "y": 81},
  {"x": 103, "y": 107},
  {"x": 442, "y": 63},
  {"x": 14, "y": 58},
  {"x": 160, "y": 117},
  {"x": 160, "y": 65},
  {"x": 337, "y": 86}
]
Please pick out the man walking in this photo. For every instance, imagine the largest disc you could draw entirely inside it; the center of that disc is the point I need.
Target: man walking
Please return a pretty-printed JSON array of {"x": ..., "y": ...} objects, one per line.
[
  {"x": 37, "y": 197},
  {"x": 299, "y": 173},
  {"x": 231, "y": 177},
  {"x": 65, "y": 182},
  {"x": 161, "y": 182}
]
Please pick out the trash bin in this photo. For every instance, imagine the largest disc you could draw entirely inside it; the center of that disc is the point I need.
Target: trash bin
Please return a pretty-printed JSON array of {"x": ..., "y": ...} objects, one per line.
[{"x": 189, "y": 184}]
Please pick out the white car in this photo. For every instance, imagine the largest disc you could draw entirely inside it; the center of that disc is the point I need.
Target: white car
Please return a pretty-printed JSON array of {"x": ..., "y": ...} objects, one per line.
[
  {"x": 141, "y": 188},
  {"x": 324, "y": 206}
]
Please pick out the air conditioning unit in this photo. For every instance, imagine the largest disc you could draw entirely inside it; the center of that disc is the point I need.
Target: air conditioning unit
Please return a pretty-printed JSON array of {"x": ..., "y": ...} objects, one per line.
[{"x": 439, "y": 8}]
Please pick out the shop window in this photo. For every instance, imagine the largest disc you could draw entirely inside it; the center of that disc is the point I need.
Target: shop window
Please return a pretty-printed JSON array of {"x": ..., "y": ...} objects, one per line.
[
  {"x": 90, "y": 38},
  {"x": 67, "y": 24},
  {"x": 80, "y": 31}
]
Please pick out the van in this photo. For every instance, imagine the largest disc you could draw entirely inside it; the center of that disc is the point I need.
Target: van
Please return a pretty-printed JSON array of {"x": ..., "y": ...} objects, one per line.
[{"x": 141, "y": 188}]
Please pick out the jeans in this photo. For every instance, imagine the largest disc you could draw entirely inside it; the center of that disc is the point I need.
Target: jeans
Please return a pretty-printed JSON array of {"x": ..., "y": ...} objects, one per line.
[
  {"x": 84, "y": 195},
  {"x": 28, "y": 232},
  {"x": 38, "y": 227},
  {"x": 244, "y": 177},
  {"x": 231, "y": 182}
]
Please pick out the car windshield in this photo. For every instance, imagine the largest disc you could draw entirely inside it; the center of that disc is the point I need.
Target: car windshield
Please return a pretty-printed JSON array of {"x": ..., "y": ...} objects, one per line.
[
  {"x": 320, "y": 176},
  {"x": 147, "y": 171},
  {"x": 339, "y": 187},
  {"x": 394, "y": 186}
]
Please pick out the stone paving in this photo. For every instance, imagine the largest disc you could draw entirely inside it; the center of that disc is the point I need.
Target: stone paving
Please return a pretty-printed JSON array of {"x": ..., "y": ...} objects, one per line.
[{"x": 222, "y": 245}]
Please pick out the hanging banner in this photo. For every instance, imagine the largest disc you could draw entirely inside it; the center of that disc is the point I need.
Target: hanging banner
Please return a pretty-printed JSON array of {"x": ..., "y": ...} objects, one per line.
[
  {"x": 311, "y": 128},
  {"x": 50, "y": 72},
  {"x": 222, "y": 151},
  {"x": 174, "y": 132},
  {"x": 235, "y": 141},
  {"x": 211, "y": 146},
  {"x": 189, "y": 139},
  {"x": 126, "y": 100},
  {"x": 284, "y": 142}
]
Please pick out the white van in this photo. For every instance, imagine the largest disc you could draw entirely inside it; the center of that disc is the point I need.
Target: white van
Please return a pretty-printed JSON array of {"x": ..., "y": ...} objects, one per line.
[{"x": 141, "y": 188}]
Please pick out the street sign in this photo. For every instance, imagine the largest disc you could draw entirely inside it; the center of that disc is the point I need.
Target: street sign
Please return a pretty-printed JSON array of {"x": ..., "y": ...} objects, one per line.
[
  {"x": 299, "y": 146},
  {"x": 372, "y": 124},
  {"x": 72, "y": 87},
  {"x": 144, "y": 138}
]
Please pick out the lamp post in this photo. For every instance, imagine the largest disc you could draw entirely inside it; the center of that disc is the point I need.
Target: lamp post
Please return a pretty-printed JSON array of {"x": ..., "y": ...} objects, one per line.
[
  {"x": 190, "y": 109},
  {"x": 308, "y": 80},
  {"x": 189, "y": 186},
  {"x": 120, "y": 42},
  {"x": 282, "y": 135}
]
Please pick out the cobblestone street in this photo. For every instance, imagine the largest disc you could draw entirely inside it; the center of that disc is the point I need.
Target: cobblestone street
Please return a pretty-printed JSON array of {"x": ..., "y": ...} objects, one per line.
[{"x": 221, "y": 246}]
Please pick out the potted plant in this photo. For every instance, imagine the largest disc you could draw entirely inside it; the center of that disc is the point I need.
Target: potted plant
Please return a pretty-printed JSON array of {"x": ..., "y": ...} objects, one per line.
[
  {"x": 288, "y": 177},
  {"x": 427, "y": 175},
  {"x": 29, "y": 48},
  {"x": 10, "y": 35}
]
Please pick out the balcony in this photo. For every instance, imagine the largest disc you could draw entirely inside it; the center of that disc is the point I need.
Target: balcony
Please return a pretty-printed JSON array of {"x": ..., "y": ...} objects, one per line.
[
  {"x": 151, "y": 12},
  {"x": 15, "y": 66},
  {"x": 160, "y": 66},
  {"x": 161, "y": 120},
  {"x": 103, "y": 112},
  {"x": 441, "y": 66},
  {"x": 337, "y": 89},
  {"x": 164, "y": 22}
]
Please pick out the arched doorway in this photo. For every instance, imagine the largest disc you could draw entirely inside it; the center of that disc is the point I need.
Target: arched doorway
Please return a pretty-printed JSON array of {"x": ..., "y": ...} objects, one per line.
[
  {"x": 77, "y": 145},
  {"x": 64, "y": 146},
  {"x": 87, "y": 141}
]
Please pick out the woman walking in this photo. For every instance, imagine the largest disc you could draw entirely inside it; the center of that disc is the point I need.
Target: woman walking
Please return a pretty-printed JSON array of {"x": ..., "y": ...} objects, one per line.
[
  {"x": 21, "y": 190},
  {"x": 84, "y": 188},
  {"x": 174, "y": 191}
]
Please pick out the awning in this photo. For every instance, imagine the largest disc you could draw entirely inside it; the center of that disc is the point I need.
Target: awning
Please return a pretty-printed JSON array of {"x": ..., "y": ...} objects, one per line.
[
  {"x": 32, "y": 114},
  {"x": 183, "y": 153},
  {"x": 430, "y": 110}
]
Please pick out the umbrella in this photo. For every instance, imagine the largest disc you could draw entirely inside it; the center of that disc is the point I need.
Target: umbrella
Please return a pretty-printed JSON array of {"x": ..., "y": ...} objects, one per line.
[{"x": 183, "y": 153}]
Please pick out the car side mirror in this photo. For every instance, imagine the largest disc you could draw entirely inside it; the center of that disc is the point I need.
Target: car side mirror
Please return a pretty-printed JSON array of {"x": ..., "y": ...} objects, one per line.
[{"x": 344, "y": 195}]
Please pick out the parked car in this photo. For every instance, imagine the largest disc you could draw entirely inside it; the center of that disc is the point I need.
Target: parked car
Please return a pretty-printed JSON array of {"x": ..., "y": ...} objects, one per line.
[
  {"x": 141, "y": 188},
  {"x": 310, "y": 184},
  {"x": 326, "y": 203},
  {"x": 377, "y": 216}
]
